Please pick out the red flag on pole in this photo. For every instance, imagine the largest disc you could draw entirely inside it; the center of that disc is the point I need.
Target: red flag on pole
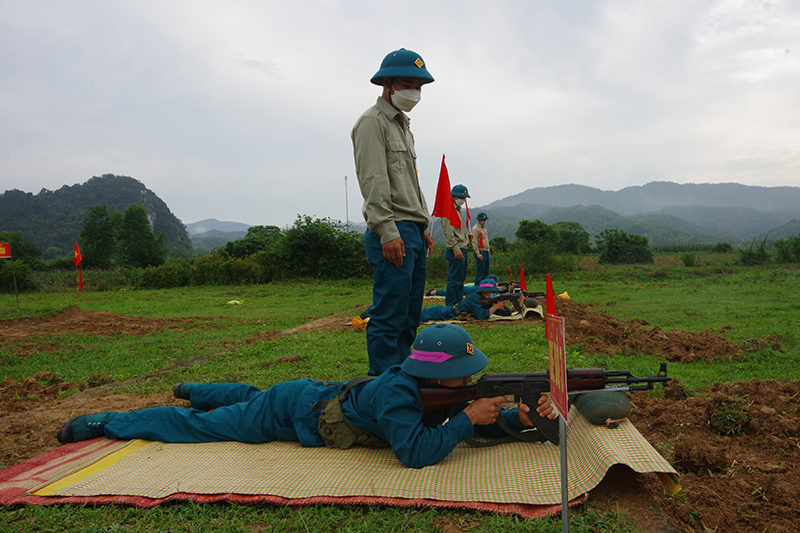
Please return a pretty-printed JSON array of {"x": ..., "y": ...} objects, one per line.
[
  {"x": 467, "y": 208},
  {"x": 5, "y": 249},
  {"x": 76, "y": 259},
  {"x": 76, "y": 255},
  {"x": 522, "y": 279},
  {"x": 443, "y": 206},
  {"x": 510, "y": 275}
]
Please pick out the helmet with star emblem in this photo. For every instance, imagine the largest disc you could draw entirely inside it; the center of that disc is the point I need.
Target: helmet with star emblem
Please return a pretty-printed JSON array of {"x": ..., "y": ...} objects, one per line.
[
  {"x": 444, "y": 351},
  {"x": 402, "y": 63}
]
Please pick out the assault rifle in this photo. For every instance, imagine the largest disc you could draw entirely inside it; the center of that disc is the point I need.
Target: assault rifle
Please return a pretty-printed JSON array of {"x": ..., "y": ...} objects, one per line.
[
  {"x": 528, "y": 387},
  {"x": 518, "y": 299}
]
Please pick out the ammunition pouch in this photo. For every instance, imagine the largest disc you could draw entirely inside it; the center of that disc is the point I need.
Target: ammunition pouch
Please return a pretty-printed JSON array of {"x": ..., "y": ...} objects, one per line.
[{"x": 336, "y": 430}]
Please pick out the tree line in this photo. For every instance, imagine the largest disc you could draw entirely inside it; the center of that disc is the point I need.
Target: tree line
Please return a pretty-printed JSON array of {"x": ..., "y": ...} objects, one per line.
[{"x": 323, "y": 249}]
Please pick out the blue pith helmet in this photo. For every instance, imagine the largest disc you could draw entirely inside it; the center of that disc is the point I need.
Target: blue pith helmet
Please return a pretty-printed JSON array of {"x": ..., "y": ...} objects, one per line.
[
  {"x": 493, "y": 277},
  {"x": 482, "y": 216},
  {"x": 402, "y": 64},
  {"x": 487, "y": 285},
  {"x": 444, "y": 351},
  {"x": 460, "y": 191}
]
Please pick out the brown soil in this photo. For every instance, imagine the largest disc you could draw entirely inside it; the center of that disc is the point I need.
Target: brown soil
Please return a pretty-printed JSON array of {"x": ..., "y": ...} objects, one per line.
[{"x": 737, "y": 446}]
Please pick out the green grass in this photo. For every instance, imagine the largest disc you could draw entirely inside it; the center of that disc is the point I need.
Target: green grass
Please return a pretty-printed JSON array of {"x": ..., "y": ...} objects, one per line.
[{"x": 756, "y": 302}]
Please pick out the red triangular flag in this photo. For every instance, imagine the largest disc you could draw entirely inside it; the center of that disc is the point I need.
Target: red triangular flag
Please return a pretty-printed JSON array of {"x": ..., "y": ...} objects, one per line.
[
  {"x": 522, "y": 279},
  {"x": 467, "y": 208},
  {"x": 76, "y": 255},
  {"x": 551, "y": 304},
  {"x": 510, "y": 275},
  {"x": 443, "y": 206}
]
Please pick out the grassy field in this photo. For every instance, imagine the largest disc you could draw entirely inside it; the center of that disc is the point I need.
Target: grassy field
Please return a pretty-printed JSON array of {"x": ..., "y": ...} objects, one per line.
[{"x": 756, "y": 302}]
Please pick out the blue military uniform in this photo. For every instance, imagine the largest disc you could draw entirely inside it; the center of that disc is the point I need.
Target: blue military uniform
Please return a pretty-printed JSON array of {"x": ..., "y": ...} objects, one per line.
[{"x": 389, "y": 407}]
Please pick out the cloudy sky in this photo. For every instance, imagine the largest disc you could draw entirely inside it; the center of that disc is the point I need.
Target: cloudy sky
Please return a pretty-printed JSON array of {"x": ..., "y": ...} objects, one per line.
[{"x": 242, "y": 110}]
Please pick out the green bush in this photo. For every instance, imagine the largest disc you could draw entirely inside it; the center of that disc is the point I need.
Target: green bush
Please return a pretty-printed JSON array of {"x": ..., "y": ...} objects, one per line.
[
  {"x": 436, "y": 264},
  {"x": 618, "y": 247},
  {"x": 690, "y": 260},
  {"x": 788, "y": 249},
  {"x": 20, "y": 271},
  {"x": 536, "y": 257},
  {"x": 321, "y": 248},
  {"x": 755, "y": 254},
  {"x": 722, "y": 248}
]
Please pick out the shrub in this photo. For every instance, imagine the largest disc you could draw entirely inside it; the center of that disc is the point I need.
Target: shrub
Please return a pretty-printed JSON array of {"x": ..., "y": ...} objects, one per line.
[
  {"x": 436, "y": 264},
  {"x": 755, "y": 254},
  {"x": 321, "y": 248},
  {"x": 690, "y": 260},
  {"x": 788, "y": 249},
  {"x": 617, "y": 246},
  {"x": 20, "y": 271},
  {"x": 722, "y": 248}
]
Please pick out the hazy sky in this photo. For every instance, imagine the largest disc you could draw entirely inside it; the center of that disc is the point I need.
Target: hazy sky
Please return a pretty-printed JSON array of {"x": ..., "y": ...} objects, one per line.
[{"x": 242, "y": 110}]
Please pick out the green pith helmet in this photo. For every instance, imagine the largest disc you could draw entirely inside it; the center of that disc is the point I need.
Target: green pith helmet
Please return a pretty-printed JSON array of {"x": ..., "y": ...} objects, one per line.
[
  {"x": 402, "y": 64},
  {"x": 482, "y": 216},
  {"x": 487, "y": 285},
  {"x": 598, "y": 408},
  {"x": 444, "y": 351},
  {"x": 460, "y": 191}
]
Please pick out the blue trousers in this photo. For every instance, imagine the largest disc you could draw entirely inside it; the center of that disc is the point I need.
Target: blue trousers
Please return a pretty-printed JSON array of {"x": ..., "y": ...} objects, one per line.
[
  {"x": 397, "y": 293},
  {"x": 456, "y": 275},
  {"x": 482, "y": 267},
  {"x": 240, "y": 413},
  {"x": 438, "y": 312}
]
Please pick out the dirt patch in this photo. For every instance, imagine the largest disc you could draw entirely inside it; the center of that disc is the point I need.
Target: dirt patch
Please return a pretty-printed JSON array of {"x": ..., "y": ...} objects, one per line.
[
  {"x": 737, "y": 446},
  {"x": 596, "y": 331},
  {"x": 75, "y": 320}
]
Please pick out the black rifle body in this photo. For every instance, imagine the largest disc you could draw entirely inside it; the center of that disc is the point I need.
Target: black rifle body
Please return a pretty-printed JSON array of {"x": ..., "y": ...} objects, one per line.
[{"x": 528, "y": 387}]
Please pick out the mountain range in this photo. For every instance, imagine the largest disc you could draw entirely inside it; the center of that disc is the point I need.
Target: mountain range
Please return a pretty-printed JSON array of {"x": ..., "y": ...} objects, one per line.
[{"x": 664, "y": 212}]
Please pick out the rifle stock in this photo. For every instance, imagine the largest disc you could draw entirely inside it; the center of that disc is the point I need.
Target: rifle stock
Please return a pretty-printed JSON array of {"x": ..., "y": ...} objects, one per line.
[{"x": 528, "y": 387}]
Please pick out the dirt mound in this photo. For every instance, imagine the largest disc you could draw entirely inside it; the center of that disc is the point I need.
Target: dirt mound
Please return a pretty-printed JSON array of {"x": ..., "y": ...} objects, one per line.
[
  {"x": 75, "y": 320},
  {"x": 596, "y": 331},
  {"x": 737, "y": 446}
]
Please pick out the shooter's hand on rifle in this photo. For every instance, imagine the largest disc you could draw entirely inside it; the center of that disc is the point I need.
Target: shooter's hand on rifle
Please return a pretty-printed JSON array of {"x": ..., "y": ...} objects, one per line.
[
  {"x": 545, "y": 409},
  {"x": 484, "y": 411}
]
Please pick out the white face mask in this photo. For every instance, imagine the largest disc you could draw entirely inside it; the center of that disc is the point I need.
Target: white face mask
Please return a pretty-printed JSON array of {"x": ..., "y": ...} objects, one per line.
[
  {"x": 406, "y": 99},
  {"x": 459, "y": 202}
]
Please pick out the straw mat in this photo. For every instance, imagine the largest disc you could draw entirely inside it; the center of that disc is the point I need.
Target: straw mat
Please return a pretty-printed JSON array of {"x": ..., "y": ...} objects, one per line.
[{"x": 520, "y": 478}]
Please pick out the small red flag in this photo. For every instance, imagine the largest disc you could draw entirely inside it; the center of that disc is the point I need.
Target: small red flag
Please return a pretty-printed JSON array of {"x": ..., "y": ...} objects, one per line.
[
  {"x": 522, "y": 279},
  {"x": 443, "y": 206},
  {"x": 467, "y": 208},
  {"x": 5, "y": 249},
  {"x": 510, "y": 275},
  {"x": 76, "y": 255}
]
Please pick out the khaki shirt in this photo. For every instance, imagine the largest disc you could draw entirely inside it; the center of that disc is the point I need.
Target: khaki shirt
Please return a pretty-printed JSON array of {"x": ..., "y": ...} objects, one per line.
[
  {"x": 386, "y": 167},
  {"x": 456, "y": 238},
  {"x": 480, "y": 238}
]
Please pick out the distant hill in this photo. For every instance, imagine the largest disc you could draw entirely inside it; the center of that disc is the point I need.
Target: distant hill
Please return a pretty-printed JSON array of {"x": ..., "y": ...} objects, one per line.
[
  {"x": 212, "y": 224},
  {"x": 212, "y": 233},
  {"x": 666, "y": 213},
  {"x": 53, "y": 220}
]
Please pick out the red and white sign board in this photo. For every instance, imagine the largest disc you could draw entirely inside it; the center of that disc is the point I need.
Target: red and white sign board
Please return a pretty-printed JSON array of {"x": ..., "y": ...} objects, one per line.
[{"x": 557, "y": 352}]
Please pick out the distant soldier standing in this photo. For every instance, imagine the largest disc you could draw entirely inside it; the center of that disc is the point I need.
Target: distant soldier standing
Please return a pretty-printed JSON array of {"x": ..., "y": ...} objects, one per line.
[
  {"x": 396, "y": 240},
  {"x": 480, "y": 245},
  {"x": 457, "y": 241}
]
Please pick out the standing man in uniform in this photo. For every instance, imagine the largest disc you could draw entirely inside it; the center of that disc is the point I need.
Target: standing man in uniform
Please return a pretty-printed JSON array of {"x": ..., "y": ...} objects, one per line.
[
  {"x": 457, "y": 241},
  {"x": 480, "y": 245},
  {"x": 396, "y": 241}
]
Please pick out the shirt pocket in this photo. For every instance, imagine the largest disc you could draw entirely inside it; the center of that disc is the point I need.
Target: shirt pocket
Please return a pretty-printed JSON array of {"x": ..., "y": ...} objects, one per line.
[{"x": 397, "y": 155}]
